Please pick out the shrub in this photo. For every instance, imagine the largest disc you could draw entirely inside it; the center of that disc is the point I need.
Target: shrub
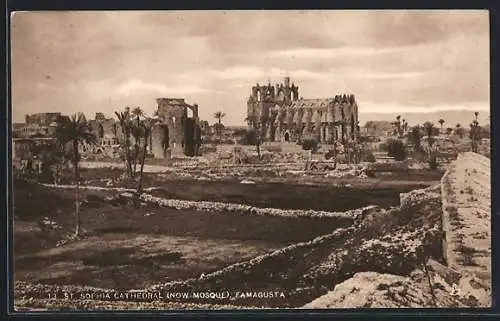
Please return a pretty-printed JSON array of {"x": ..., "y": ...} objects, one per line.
[
  {"x": 310, "y": 144},
  {"x": 433, "y": 163},
  {"x": 396, "y": 149},
  {"x": 330, "y": 154},
  {"x": 250, "y": 138},
  {"x": 240, "y": 132},
  {"x": 419, "y": 155},
  {"x": 369, "y": 157}
]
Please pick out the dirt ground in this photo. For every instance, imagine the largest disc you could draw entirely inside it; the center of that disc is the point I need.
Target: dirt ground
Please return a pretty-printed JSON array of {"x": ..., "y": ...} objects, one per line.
[
  {"x": 121, "y": 243},
  {"x": 125, "y": 247},
  {"x": 287, "y": 196},
  {"x": 317, "y": 193}
]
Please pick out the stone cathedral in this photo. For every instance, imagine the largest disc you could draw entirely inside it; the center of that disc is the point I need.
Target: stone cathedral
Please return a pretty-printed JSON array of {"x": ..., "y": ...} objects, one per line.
[{"x": 280, "y": 115}]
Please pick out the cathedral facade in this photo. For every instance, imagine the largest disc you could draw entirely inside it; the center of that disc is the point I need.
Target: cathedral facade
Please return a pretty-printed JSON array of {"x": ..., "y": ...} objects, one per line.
[{"x": 279, "y": 114}]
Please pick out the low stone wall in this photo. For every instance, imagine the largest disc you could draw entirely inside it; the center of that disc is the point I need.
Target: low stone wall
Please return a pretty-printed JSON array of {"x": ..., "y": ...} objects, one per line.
[
  {"x": 466, "y": 190},
  {"x": 221, "y": 207}
]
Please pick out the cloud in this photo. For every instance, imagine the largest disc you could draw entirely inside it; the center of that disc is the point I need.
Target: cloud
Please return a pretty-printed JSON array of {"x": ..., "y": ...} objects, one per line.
[
  {"x": 254, "y": 73},
  {"x": 322, "y": 53},
  {"x": 136, "y": 85},
  {"x": 389, "y": 76},
  {"x": 102, "y": 60}
]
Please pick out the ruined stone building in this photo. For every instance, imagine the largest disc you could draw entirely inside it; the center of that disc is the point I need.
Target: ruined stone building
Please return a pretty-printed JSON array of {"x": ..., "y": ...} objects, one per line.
[
  {"x": 280, "y": 115},
  {"x": 178, "y": 129},
  {"x": 40, "y": 124}
]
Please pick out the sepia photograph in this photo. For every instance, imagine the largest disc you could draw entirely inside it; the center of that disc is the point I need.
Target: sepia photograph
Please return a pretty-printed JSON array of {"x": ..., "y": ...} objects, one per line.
[{"x": 250, "y": 159}]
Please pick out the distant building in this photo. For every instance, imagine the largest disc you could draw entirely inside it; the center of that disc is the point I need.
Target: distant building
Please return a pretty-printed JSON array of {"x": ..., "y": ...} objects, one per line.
[
  {"x": 279, "y": 113},
  {"x": 42, "y": 119},
  {"x": 36, "y": 125},
  {"x": 27, "y": 152},
  {"x": 379, "y": 128}
]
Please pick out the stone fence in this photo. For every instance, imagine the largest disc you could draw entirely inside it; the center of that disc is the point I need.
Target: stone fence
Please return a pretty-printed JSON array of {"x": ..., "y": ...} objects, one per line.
[{"x": 466, "y": 198}]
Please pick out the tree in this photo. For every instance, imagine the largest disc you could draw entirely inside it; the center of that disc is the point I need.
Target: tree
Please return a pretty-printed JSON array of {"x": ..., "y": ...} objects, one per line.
[
  {"x": 429, "y": 147},
  {"x": 415, "y": 136},
  {"x": 449, "y": 130},
  {"x": 52, "y": 157},
  {"x": 126, "y": 126},
  {"x": 476, "y": 114},
  {"x": 137, "y": 113},
  {"x": 254, "y": 135},
  {"x": 219, "y": 115},
  {"x": 396, "y": 149},
  {"x": 101, "y": 131},
  {"x": 459, "y": 130},
  {"x": 75, "y": 131},
  {"x": 475, "y": 135},
  {"x": 441, "y": 122},
  {"x": 399, "y": 128},
  {"x": 138, "y": 126},
  {"x": 146, "y": 126},
  {"x": 136, "y": 129}
]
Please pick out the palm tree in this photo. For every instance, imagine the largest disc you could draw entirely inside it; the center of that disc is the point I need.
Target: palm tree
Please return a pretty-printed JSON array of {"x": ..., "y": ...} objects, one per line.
[
  {"x": 146, "y": 126},
  {"x": 476, "y": 114},
  {"x": 219, "y": 115},
  {"x": 441, "y": 122},
  {"x": 125, "y": 124},
  {"x": 414, "y": 137},
  {"x": 459, "y": 130},
  {"x": 475, "y": 134},
  {"x": 137, "y": 112},
  {"x": 428, "y": 146},
  {"x": 75, "y": 131},
  {"x": 397, "y": 123},
  {"x": 136, "y": 130}
]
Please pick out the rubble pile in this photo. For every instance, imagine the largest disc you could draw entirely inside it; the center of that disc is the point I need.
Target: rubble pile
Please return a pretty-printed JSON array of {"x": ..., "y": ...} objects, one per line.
[
  {"x": 412, "y": 198},
  {"x": 348, "y": 171}
]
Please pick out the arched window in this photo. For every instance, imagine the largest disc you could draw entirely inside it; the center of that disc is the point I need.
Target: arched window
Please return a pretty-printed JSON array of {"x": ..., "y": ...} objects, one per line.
[{"x": 189, "y": 113}]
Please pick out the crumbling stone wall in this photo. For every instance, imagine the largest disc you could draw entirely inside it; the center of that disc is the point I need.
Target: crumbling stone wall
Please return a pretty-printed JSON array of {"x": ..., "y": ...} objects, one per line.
[{"x": 183, "y": 125}]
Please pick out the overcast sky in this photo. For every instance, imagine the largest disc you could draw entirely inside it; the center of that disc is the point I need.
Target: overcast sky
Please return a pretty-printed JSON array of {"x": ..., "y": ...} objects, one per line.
[{"x": 393, "y": 61}]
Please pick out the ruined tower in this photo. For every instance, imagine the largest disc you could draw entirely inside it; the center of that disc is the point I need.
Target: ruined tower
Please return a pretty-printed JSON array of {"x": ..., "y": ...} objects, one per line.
[{"x": 179, "y": 127}]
